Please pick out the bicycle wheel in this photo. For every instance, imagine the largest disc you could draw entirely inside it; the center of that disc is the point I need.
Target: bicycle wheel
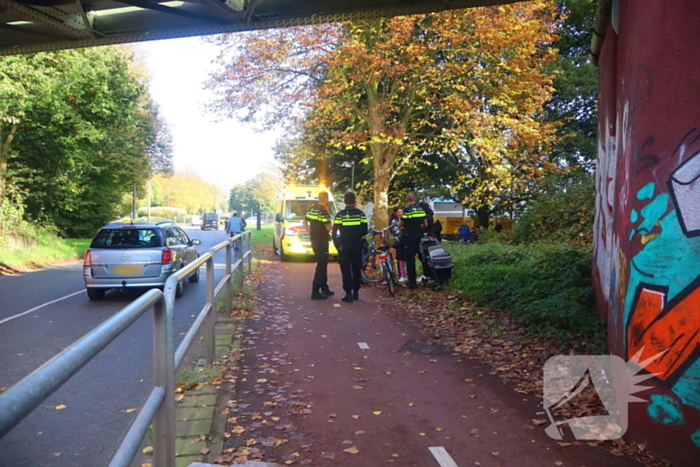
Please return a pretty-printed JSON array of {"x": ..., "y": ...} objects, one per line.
[
  {"x": 389, "y": 278},
  {"x": 371, "y": 270}
]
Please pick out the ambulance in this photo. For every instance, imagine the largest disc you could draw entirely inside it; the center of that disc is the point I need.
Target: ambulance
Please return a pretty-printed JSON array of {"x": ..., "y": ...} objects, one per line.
[{"x": 291, "y": 238}]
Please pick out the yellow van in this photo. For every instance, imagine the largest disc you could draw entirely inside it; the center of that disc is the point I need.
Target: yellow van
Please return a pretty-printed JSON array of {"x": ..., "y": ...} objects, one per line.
[{"x": 291, "y": 237}]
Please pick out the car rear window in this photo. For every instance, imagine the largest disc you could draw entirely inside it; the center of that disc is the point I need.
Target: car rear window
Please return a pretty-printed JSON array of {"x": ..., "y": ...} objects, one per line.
[
  {"x": 126, "y": 238},
  {"x": 209, "y": 216}
]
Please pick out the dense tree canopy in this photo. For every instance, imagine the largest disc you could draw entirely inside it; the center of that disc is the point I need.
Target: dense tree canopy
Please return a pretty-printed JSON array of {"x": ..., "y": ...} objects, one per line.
[
  {"x": 257, "y": 193},
  {"x": 468, "y": 85},
  {"x": 84, "y": 134}
]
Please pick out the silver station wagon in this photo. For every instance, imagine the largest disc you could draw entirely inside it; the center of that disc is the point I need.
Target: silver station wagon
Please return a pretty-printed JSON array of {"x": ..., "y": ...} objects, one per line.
[{"x": 137, "y": 255}]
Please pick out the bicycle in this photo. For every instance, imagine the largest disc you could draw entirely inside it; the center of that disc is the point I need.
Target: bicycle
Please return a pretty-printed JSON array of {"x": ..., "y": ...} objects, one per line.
[{"x": 378, "y": 263}]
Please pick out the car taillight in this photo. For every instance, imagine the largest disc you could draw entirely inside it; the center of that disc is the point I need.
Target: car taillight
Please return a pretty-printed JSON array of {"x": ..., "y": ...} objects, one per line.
[
  {"x": 88, "y": 260},
  {"x": 167, "y": 257}
]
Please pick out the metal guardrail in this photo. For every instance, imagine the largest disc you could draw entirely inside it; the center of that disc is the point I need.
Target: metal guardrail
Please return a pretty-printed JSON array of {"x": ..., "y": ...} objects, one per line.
[{"x": 21, "y": 399}]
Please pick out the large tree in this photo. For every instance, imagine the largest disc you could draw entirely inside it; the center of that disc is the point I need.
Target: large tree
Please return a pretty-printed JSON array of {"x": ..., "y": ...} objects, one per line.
[
  {"x": 467, "y": 82},
  {"x": 82, "y": 126}
]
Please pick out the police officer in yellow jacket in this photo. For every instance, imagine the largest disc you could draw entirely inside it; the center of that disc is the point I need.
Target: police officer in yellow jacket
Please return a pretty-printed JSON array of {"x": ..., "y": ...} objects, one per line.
[
  {"x": 351, "y": 223},
  {"x": 413, "y": 222},
  {"x": 318, "y": 221}
]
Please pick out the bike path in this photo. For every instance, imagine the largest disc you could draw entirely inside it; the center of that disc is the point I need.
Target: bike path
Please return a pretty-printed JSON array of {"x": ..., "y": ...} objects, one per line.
[{"x": 348, "y": 385}]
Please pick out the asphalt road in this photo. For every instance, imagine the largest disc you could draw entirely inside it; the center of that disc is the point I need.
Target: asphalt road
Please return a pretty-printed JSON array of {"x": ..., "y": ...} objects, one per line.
[{"x": 98, "y": 399}]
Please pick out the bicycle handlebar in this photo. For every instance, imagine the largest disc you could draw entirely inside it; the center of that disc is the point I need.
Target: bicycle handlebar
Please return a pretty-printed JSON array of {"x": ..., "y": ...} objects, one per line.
[{"x": 379, "y": 232}]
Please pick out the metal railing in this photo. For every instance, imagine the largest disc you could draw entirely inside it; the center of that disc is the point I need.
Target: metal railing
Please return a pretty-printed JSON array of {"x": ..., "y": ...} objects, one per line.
[{"x": 21, "y": 399}]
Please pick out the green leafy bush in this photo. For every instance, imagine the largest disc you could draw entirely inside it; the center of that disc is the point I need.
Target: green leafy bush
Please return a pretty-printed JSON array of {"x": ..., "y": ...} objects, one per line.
[
  {"x": 564, "y": 214},
  {"x": 546, "y": 287}
]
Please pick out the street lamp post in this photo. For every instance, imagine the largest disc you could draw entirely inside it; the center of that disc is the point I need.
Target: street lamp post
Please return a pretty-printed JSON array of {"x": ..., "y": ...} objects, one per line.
[{"x": 352, "y": 179}]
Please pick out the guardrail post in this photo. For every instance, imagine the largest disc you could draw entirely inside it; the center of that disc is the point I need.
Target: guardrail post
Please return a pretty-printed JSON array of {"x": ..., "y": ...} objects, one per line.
[
  {"x": 250, "y": 252},
  {"x": 229, "y": 282},
  {"x": 164, "y": 375},
  {"x": 209, "y": 335}
]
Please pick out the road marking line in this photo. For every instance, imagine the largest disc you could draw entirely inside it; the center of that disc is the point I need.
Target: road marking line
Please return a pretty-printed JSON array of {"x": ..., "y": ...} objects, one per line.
[
  {"x": 442, "y": 457},
  {"x": 40, "y": 306},
  {"x": 363, "y": 345}
]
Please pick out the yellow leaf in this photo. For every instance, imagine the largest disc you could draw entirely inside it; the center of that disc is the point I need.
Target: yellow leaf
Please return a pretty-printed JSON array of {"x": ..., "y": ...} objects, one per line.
[
  {"x": 60, "y": 407},
  {"x": 129, "y": 410},
  {"x": 394, "y": 455},
  {"x": 438, "y": 429},
  {"x": 352, "y": 450},
  {"x": 495, "y": 453},
  {"x": 411, "y": 404},
  {"x": 377, "y": 412},
  {"x": 422, "y": 434},
  {"x": 355, "y": 417}
]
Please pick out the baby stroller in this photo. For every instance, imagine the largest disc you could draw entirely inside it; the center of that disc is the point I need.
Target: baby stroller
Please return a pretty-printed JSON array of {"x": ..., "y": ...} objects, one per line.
[{"x": 437, "y": 263}]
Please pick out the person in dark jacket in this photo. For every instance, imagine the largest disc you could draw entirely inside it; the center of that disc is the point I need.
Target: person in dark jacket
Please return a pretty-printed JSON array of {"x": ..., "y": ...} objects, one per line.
[
  {"x": 398, "y": 242},
  {"x": 414, "y": 223},
  {"x": 349, "y": 228},
  {"x": 318, "y": 221},
  {"x": 437, "y": 229}
]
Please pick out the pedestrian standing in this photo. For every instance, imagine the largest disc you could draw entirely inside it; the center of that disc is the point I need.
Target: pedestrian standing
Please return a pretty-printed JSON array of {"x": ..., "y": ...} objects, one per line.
[
  {"x": 398, "y": 242},
  {"x": 351, "y": 224},
  {"x": 318, "y": 222},
  {"x": 413, "y": 222}
]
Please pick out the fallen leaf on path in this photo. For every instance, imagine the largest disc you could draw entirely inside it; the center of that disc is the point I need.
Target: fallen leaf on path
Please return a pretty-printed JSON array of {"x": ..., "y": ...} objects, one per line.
[
  {"x": 146, "y": 464},
  {"x": 332, "y": 415},
  {"x": 377, "y": 412},
  {"x": 205, "y": 451},
  {"x": 358, "y": 387},
  {"x": 355, "y": 417},
  {"x": 422, "y": 434},
  {"x": 558, "y": 463},
  {"x": 348, "y": 441},
  {"x": 60, "y": 407},
  {"x": 56, "y": 454},
  {"x": 360, "y": 432},
  {"x": 411, "y": 404},
  {"x": 18, "y": 355},
  {"x": 495, "y": 453},
  {"x": 525, "y": 426},
  {"x": 438, "y": 429},
  {"x": 129, "y": 410},
  {"x": 539, "y": 421},
  {"x": 147, "y": 450},
  {"x": 394, "y": 455},
  {"x": 352, "y": 450}
]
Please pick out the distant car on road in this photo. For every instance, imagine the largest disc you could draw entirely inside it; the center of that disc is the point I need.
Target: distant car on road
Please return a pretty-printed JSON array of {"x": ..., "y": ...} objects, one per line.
[
  {"x": 196, "y": 219},
  {"x": 210, "y": 220},
  {"x": 137, "y": 255}
]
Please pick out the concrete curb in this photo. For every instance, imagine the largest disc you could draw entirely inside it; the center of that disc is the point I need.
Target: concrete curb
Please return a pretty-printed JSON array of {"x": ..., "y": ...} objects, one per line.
[{"x": 199, "y": 428}]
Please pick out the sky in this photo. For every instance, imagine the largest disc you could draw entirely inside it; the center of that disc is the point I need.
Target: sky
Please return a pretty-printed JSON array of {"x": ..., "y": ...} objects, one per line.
[{"x": 225, "y": 153}]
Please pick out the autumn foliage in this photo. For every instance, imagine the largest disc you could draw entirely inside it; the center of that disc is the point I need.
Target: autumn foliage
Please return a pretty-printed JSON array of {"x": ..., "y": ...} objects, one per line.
[{"x": 466, "y": 84}]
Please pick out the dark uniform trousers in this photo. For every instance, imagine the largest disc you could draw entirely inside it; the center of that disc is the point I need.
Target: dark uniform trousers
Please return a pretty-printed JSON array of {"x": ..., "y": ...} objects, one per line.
[
  {"x": 411, "y": 242},
  {"x": 320, "y": 247},
  {"x": 351, "y": 265}
]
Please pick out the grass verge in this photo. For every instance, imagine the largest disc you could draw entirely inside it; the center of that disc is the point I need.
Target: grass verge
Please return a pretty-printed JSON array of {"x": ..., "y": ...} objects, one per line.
[{"x": 48, "y": 249}]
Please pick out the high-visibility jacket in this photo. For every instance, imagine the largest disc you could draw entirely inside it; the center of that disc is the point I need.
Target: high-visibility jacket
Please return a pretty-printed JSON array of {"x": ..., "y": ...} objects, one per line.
[
  {"x": 352, "y": 225},
  {"x": 413, "y": 217},
  {"x": 318, "y": 218}
]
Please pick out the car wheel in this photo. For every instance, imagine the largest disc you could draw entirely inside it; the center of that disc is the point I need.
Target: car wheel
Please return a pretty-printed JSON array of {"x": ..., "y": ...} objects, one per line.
[
  {"x": 283, "y": 255},
  {"x": 180, "y": 289},
  {"x": 195, "y": 277},
  {"x": 96, "y": 294}
]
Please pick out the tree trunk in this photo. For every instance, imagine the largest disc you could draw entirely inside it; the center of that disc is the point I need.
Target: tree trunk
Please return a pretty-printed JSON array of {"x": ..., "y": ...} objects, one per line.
[
  {"x": 483, "y": 215},
  {"x": 382, "y": 177},
  {"x": 4, "y": 152}
]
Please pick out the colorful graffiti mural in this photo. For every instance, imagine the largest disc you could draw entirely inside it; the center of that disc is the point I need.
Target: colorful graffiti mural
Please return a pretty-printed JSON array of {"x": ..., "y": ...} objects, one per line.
[{"x": 647, "y": 227}]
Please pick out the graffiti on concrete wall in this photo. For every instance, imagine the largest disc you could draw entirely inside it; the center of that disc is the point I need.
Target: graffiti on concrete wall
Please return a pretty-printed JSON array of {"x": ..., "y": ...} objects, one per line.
[{"x": 662, "y": 302}]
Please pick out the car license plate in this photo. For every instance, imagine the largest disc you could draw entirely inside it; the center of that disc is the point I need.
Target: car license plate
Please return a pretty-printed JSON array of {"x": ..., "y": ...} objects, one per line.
[{"x": 126, "y": 270}]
